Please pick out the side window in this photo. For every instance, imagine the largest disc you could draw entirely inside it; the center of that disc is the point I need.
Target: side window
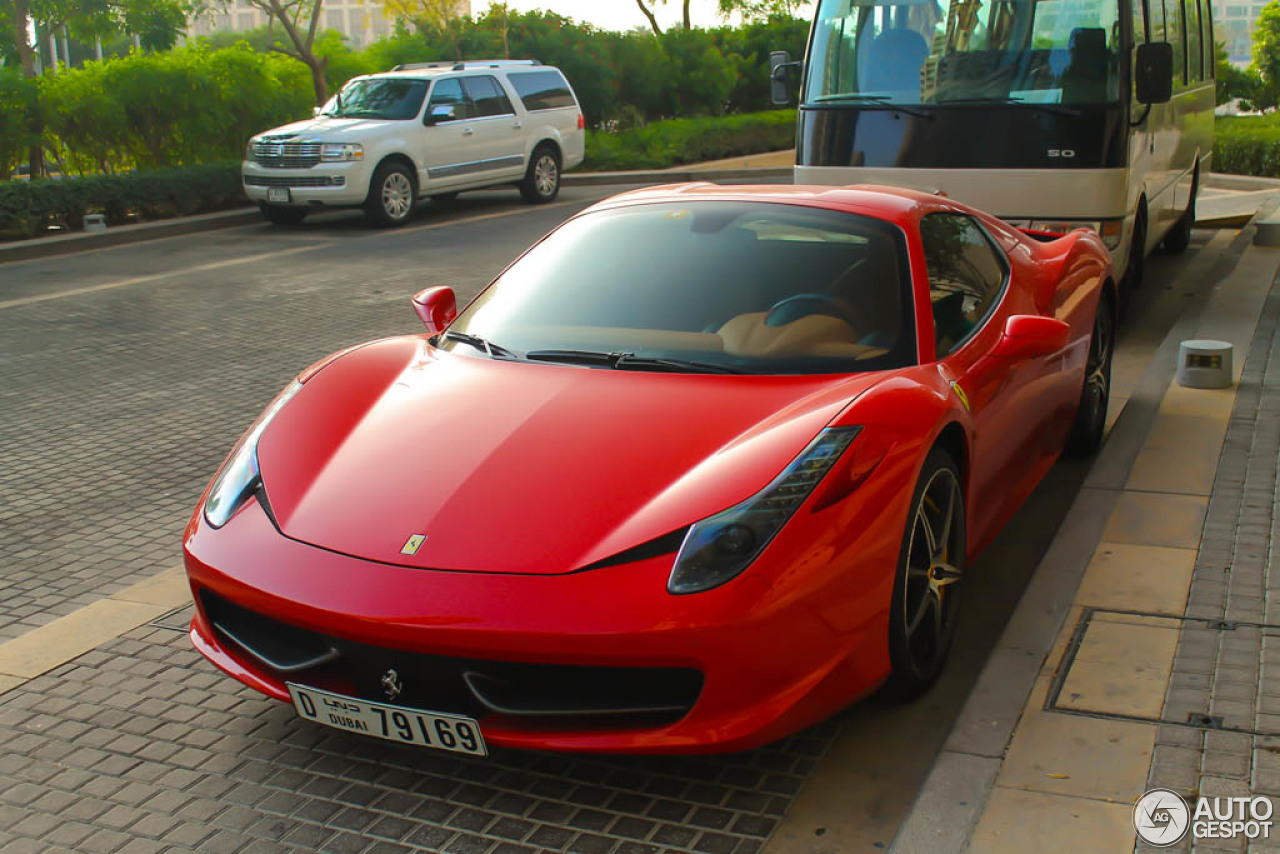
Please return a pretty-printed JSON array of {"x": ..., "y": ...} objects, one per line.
[
  {"x": 1155, "y": 9},
  {"x": 1195, "y": 69},
  {"x": 966, "y": 276},
  {"x": 542, "y": 90},
  {"x": 487, "y": 96},
  {"x": 1176, "y": 35},
  {"x": 450, "y": 92}
]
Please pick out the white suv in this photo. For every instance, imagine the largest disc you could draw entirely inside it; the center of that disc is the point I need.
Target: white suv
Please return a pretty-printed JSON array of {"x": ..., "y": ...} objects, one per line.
[{"x": 432, "y": 129}]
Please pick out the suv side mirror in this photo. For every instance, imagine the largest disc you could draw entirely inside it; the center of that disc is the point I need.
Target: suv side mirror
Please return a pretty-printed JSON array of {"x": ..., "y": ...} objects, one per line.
[
  {"x": 441, "y": 113},
  {"x": 1027, "y": 336},
  {"x": 437, "y": 307},
  {"x": 780, "y": 66},
  {"x": 1153, "y": 73}
]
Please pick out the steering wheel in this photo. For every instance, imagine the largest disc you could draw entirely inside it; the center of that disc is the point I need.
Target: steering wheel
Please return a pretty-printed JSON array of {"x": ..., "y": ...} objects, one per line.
[{"x": 793, "y": 308}]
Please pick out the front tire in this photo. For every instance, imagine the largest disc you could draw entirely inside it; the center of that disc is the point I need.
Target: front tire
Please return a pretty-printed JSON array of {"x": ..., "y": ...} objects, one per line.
[
  {"x": 1091, "y": 415},
  {"x": 392, "y": 194},
  {"x": 922, "y": 618},
  {"x": 282, "y": 214},
  {"x": 541, "y": 182}
]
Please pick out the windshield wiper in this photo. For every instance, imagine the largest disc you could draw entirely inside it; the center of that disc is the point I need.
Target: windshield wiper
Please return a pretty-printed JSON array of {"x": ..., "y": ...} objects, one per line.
[
  {"x": 887, "y": 100},
  {"x": 1011, "y": 99},
  {"x": 626, "y": 361},
  {"x": 492, "y": 350}
]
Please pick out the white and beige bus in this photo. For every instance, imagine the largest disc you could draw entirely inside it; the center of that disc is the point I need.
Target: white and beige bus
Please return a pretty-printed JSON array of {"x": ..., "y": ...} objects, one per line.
[{"x": 1049, "y": 113}]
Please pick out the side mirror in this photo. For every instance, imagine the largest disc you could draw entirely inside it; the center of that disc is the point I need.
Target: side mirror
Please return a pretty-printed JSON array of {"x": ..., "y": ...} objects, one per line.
[
  {"x": 1153, "y": 73},
  {"x": 437, "y": 307},
  {"x": 441, "y": 113},
  {"x": 780, "y": 66},
  {"x": 1027, "y": 336}
]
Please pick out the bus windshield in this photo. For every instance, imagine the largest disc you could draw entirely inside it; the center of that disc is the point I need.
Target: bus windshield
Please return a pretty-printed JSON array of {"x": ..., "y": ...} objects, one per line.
[{"x": 965, "y": 51}]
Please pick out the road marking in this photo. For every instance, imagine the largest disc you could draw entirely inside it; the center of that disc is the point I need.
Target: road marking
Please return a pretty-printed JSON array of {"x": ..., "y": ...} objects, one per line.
[
  {"x": 279, "y": 253},
  {"x": 168, "y": 274},
  {"x": 85, "y": 629}
]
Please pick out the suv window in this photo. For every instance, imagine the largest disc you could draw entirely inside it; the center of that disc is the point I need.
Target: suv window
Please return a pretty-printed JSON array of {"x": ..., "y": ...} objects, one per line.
[
  {"x": 542, "y": 90},
  {"x": 487, "y": 96},
  {"x": 966, "y": 276},
  {"x": 449, "y": 92}
]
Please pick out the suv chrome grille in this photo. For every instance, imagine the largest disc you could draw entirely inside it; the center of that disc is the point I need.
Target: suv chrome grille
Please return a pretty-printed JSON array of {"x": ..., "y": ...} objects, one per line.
[
  {"x": 294, "y": 180},
  {"x": 286, "y": 155}
]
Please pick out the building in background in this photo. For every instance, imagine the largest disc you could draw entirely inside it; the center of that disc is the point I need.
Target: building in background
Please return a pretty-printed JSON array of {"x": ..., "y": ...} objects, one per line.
[
  {"x": 1233, "y": 24},
  {"x": 359, "y": 21}
]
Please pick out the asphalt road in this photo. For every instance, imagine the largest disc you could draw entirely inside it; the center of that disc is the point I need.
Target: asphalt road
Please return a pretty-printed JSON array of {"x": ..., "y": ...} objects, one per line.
[{"x": 127, "y": 373}]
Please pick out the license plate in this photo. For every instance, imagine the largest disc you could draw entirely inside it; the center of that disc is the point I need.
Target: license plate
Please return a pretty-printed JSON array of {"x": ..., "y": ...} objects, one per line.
[
  {"x": 457, "y": 733},
  {"x": 277, "y": 194}
]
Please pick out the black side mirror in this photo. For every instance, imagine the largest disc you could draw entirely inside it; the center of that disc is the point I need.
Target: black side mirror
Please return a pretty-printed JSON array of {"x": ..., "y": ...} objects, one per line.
[
  {"x": 441, "y": 113},
  {"x": 780, "y": 66},
  {"x": 1153, "y": 73}
]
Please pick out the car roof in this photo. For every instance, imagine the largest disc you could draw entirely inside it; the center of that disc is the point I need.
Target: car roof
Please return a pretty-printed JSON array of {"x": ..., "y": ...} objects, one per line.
[{"x": 437, "y": 70}]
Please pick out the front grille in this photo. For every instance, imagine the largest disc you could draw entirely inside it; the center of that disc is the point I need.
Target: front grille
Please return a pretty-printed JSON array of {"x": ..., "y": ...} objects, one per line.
[
  {"x": 295, "y": 180},
  {"x": 286, "y": 155},
  {"x": 519, "y": 693}
]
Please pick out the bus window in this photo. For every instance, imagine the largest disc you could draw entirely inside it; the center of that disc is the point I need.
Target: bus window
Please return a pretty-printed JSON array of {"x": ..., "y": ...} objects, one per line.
[
  {"x": 1155, "y": 22},
  {"x": 1175, "y": 33},
  {"x": 941, "y": 51},
  {"x": 1139, "y": 22},
  {"x": 1195, "y": 59}
]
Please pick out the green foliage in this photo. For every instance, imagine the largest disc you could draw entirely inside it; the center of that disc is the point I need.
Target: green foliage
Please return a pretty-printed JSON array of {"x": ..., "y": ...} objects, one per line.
[
  {"x": 1232, "y": 82},
  {"x": 26, "y": 207},
  {"x": 661, "y": 145},
  {"x": 1266, "y": 56},
  {"x": 1248, "y": 145},
  {"x": 18, "y": 119}
]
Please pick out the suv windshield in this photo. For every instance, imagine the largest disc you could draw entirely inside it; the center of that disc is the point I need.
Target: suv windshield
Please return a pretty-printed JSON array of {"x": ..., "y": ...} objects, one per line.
[
  {"x": 940, "y": 51},
  {"x": 378, "y": 98},
  {"x": 705, "y": 286}
]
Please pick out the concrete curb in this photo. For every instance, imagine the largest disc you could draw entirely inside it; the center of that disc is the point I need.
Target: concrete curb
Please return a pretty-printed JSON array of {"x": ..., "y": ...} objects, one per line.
[
  {"x": 672, "y": 176},
  {"x": 1224, "y": 181},
  {"x": 950, "y": 803}
]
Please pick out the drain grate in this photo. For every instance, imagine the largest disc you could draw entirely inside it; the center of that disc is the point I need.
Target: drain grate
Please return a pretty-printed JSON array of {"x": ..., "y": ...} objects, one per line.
[{"x": 1054, "y": 701}]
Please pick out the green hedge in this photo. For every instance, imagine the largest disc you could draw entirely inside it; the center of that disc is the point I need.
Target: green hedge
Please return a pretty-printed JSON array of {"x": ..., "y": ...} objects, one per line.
[
  {"x": 28, "y": 207},
  {"x": 678, "y": 141},
  {"x": 1248, "y": 145}
]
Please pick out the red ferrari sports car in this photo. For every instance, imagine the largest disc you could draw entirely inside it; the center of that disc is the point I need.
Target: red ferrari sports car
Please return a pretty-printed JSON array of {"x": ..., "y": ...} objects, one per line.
[{"x": 701, "y": 467}]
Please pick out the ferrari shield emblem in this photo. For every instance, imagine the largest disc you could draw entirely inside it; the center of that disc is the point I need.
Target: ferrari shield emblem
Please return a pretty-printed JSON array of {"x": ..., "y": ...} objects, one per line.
[
  {"x": 391, "y": 684},
  {"x": 964, "y": 398},
  {"x": 414, "y": 543}
]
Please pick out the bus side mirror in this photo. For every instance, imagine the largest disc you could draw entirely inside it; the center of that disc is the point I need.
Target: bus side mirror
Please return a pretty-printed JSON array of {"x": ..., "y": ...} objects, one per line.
[
  {"x": 1153, "y": 73},
  {"x": 780, "y": 66}
]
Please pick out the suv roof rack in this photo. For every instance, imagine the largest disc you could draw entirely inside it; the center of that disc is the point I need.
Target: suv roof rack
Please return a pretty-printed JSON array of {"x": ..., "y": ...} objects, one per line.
[{"x": 462, "y": 66}]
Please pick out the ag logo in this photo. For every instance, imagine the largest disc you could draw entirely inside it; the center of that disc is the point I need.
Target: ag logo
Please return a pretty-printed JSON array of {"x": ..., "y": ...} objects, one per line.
[
  {"x": 1161, "y": 818},
  {"x": 412, "y": 544}
]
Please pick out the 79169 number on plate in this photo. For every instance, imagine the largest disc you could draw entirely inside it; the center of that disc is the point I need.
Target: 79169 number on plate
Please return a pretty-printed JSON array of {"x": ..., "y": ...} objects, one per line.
[{"x": 457, "y": 733}]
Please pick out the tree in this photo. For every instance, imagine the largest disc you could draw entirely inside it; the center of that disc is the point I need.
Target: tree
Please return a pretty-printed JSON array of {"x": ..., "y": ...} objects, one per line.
[
  {"x": 1266, "y": 56},
  {"x": 433, "y": 18},
  {"x": 300, "y": 19},
  {"x": 760, "y": 10},
  {"x": 1231, "y": 82},
  {"x": 653, "y": 21}
]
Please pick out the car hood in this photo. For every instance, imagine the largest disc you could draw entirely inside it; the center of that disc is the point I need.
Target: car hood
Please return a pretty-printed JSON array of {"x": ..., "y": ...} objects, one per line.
[
  {"x": 515, "y": 467},
  {"x": 326, "y": 129}
]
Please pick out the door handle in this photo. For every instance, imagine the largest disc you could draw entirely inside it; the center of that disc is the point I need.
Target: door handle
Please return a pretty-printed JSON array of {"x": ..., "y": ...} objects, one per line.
[{"x": 467, "y": 132}]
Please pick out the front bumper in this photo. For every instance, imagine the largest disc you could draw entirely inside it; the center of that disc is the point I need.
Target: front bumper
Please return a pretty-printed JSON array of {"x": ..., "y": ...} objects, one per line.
[
  {"x": 771, "y": 661},
  {"x": 325, "y": 184}
]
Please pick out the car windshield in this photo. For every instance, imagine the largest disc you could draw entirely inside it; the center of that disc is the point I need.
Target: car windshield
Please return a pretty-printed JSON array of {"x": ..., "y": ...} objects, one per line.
[
  {"x": 704, "y": 286},
  {"x": 378, "y": 98},
  {"x": 940, "y": 51}
]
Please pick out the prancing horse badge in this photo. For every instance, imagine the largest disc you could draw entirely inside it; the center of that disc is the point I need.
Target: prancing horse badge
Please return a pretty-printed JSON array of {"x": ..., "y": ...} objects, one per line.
[{"x": 412, "y": 544}]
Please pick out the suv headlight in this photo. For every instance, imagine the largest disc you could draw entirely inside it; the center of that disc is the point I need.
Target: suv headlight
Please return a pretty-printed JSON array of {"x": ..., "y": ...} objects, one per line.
[
  {"x": 248, "y": 149},
  {"x": 240, "y": 476},
  {"x": 721, "y": 546},
  {"x": 341, "y": 151}
]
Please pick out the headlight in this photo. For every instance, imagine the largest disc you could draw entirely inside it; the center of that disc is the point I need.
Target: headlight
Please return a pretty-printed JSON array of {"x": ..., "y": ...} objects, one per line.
[
  {"x": 240, "y": 477},
  {"x": 341, "y": 151},
  {"x": 248, "y": 150},
  {"x": 721, "y": 546}
]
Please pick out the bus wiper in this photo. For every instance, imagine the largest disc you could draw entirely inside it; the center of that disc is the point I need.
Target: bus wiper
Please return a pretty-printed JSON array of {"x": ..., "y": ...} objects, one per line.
[
  {"x": 495, "y": 351},
  {"x": 1061, "y": 109},
  {"x": 887, "y": 100},
  {"x": 628, "y": 361}
]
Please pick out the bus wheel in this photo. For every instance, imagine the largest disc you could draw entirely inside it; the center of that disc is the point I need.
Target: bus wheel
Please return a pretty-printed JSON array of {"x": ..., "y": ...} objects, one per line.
[{"x": 1179, "y": 237}]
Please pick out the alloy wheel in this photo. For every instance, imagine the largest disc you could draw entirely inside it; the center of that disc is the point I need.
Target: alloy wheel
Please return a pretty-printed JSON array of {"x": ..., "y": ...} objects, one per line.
[
  {"x": 397, "y": 195},
  {"x": 546, "y": 174},
  {"x": 1097, "y": 380},
  {"x": 935, "y": 564}
]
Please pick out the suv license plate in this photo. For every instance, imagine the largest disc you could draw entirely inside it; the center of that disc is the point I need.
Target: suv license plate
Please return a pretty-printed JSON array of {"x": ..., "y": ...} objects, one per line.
[
  {"x": 457, "y": 733},
  {"x": 277, "y": 194}
]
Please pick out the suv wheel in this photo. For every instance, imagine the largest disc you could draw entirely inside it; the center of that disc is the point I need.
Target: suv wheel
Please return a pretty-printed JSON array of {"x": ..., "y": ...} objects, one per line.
[
  {"x": 541, "y": 182},
  {"x": 282, "y": 215},
  {"x": 392, "y": 193}
]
